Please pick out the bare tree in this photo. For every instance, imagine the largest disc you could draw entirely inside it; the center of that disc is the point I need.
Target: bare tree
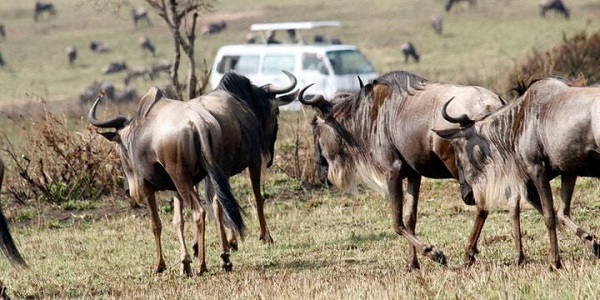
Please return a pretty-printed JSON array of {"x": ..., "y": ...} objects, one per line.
[{"x": 178, "y": 14}]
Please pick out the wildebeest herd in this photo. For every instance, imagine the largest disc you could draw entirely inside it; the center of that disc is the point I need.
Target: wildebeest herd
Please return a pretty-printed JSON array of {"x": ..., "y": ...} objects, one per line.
[{"x": 397, "y": 127}]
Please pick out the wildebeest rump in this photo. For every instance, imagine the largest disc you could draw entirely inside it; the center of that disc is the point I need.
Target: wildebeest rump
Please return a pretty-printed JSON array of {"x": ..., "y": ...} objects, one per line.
[
  {"x": 7, "y": 244},
  {"x": 382, "y": 134},
  {"x": 172, "y": 145},
  {"x": 554, "y": 5},
  {"x": 548, "y": 131}
]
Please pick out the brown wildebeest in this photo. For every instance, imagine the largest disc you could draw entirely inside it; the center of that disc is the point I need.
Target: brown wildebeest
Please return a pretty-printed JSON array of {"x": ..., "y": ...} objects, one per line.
[
  {"x": 43, "y": 7},
  {"x": 382, "y": 134},
  {"x": 173, "y": 145},
  {"x": 556, "y": 5},
  {"x": 7, "y": 244},
  {"x": 214, "y": 28},
  {"x": 548, "y": 131}
]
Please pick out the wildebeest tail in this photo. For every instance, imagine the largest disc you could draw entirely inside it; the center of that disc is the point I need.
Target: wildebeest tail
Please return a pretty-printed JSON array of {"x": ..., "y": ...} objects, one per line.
[
  {"x": 232, "y": 212},
  {"x": 7, "y": 244}
]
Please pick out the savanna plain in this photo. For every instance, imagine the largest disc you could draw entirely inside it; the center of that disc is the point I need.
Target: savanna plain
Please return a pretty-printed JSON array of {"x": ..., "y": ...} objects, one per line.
[{"x": 328, "y": 244}]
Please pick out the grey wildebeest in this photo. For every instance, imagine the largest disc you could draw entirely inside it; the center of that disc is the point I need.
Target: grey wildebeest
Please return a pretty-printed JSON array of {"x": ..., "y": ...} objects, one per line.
[
  {"x": 7, "y": 244},
  {"x": 382, "y": 135},
  {"x": 71, "y": 54},
  {"x": 43, "y": 7},
  {"x": 173, "y": 145},
  {"x": 532, "y": 134},
  {"x": 408, "y": 49},
  {"x": 139, "y": 14},
  {"x": 450, "y": 3},
  {"x": 146, "y": 45}
]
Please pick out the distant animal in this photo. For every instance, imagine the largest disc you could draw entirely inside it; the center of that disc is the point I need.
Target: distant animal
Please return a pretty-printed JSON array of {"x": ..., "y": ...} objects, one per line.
[
  {"x": 146, "y": 45},
  {"x": 139, "y": 14},
  {"x": 114, "y": 67},
  {"x": 172, "y": 145},
  {"x": 554, "y": 5},
  {"x": 2, "y": 62},
  {"x": 7, "y": 245},
  {"x": 450, "y": 3},
  {"x": 98, "y": 47},
  {"x": 382, "y": 135},
  {"x": 161, "y": 66},
  {"x": 138, "y": 72},
  {"x": 2, "y": 31},
  {"x": 436, "y": 23},
  {"x": 90, "y": 93},
  {"x": 41, "y": 8},
  {"x": 71, "y": 54},
  {"x": 128, "y": 94},
  {"x": 214, "y": 28},
  {"x": 409, "y": 51},
  {"x": 549, "y": 131}
]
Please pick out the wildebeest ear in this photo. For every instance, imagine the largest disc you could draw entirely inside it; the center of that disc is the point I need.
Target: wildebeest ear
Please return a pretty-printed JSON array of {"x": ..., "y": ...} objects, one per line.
[
  {"x": 112, "y": 136},
  {"x": 450, "y": 134}
]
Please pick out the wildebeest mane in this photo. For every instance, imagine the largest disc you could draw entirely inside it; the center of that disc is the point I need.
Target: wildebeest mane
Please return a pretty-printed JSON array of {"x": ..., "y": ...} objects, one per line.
[
  {"x": 244, "y": 91},
  {"x": 378, "y": 90},
  {"x": 523, "y": 84}
]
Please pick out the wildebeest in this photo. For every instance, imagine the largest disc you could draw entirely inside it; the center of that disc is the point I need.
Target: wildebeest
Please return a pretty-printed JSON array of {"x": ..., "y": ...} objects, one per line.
[
  {"x": 146, "y": 45},
  {"x": 114, "y": 67},
  {"x": 139, "y": 14},
  {"x": 2, "y": 31},
  {"x": 214, "y": 28},
  {"x": 172, "y": 145},
  {"x": 98, "y": 47},
  {"x": 408, "y": 49},
  {"x": 436, "y": 23},
  {"x": 556, "y": 5},
  {"x": 138, "y": 72},
  {"x": 548, "y": 131},
  {"x": 450, "y": 3},
  {"x": 7, "y": 244},
  {"x": 161, "y": 66},
  {"x": 90, "y": 93},
  {"x": 382, "y": 134},
  {"x": 71, "y": 54},
  {"x": 2, "y": 62},
  {"x": 43, "y": 7}
]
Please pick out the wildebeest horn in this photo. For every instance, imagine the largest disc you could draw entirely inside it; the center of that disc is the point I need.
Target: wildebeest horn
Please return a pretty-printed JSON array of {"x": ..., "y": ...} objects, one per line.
[
  {"x": 273, "y": 90},
  {"x": 362, "y": 85},
  {"x": 116, "y": 123},
  {"x": 463, "y": 120},
  {"x": 318, "y": 100}
]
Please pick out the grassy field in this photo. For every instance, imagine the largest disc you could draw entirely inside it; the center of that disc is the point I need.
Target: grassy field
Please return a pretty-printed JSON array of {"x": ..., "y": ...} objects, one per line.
[{"x": 328, "y": 245}]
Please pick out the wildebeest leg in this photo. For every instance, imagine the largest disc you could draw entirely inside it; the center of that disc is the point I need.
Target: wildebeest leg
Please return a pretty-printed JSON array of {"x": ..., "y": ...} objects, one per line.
[
  {"x": 471, "y": 249},
  {"x": 515, "y": 215},
  {"x": 265, "y": 235},
  {"x": 412, "y": 201},
  {"x": 542, "y": 184},
  {"x": 149, "y": 195},
  {"x": 178, "y": 222},
  {"x": 394, "y": 182},
  {"x": 225, "y": 263},
  {"x": 564, "y": 214},
  {"x": 199, "y": 216}
]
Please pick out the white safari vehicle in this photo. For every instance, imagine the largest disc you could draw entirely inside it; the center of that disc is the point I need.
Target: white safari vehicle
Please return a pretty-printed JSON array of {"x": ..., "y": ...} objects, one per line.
[{"x": 332, "y": 67}]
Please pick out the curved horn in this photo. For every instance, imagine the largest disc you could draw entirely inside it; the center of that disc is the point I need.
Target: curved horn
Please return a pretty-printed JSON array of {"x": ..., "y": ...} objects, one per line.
[
  {"x": 362, "y": 85},
  {"x": 273, "y": 90},
  {"x": 116, "y": 123},
  {"x": 463, "y": 120},
  {"x": 317, "y": 101}
]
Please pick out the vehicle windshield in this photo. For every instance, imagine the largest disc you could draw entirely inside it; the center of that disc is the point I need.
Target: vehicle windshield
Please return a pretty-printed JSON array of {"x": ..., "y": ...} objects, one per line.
[{"x": 349, "y": 62}]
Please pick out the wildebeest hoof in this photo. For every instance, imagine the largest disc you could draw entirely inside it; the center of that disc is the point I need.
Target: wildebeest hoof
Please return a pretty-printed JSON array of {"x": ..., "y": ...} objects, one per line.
[
  {"x": 227, "y": 267},
  {"x": 439, "y": 257},
  {"x": 267, "y": 239},
  {"x": 595, "y": 247},
  {"x": 469, "y": 261},
  {"x": 195, "y": 249},
  {"x": 233, "y": 246},
  {"x": 203, "y": 269},
  {"x": 159, "y": 269},
  {"x": 412, "y": 267},
  {"x": 186, "y": 268}
]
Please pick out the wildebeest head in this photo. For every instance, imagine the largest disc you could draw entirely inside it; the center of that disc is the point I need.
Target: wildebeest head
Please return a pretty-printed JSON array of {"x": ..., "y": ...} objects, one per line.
[{"x": 264, "y": 102}]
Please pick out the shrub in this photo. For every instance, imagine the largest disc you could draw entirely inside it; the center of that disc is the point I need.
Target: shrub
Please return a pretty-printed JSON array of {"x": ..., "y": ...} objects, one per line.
[
  {"x": 578, "y": 54},
  {"x": 61, "y": 165}
]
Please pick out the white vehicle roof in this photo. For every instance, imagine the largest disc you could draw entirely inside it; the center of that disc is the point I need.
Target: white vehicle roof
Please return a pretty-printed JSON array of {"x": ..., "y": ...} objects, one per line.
[
  {"x": 283, "y": 48},
  {"x": 294, "y": 25}
]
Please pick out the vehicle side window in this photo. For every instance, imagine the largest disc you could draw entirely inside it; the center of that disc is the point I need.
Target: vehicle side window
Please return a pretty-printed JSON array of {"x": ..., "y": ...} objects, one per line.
[
  {"x": 243, "y": 64},
  {"x": 314, "y": 62},
  {"x": 274, "y": 63},
  {"x": 349, "y": 62}
]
